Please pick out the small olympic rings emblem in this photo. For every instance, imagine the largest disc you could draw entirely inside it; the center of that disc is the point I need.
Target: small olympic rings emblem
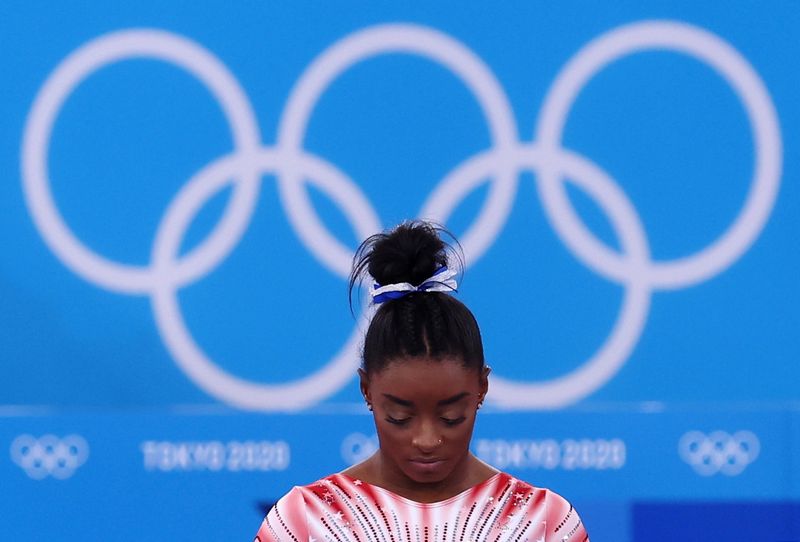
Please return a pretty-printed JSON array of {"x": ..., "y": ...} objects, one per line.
[
  {"x": 356, "y": 447},
  {"x": 719, "y": 452},
  {"x": 49, "y": 455},
  {"x": 508, "y": 155}
]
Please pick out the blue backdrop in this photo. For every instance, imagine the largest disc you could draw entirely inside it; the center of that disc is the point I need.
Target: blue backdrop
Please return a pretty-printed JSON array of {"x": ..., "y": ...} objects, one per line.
[{"x": 183, "y": 187}]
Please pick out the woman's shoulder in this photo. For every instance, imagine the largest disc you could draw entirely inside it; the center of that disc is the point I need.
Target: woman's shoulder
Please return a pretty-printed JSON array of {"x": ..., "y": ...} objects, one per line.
[
  {"x": 325, "y": 490},
  {"x": 523, "y": 486},
  {"x": 559, "y": 514},
  {"x": 336, "y": 479}
]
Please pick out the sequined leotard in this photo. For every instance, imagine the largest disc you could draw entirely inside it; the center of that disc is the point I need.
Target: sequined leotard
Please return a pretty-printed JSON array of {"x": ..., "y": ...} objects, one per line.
[{"x": 342, "y": 509}]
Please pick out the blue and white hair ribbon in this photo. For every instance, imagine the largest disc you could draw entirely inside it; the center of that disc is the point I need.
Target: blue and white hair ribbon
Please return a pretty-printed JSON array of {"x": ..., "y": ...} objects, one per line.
[{"x": 441, "y": 281}]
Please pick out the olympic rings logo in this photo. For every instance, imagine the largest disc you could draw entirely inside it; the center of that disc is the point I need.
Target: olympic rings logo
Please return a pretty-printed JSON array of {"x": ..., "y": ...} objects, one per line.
[
  {"x": 719, "y": 451},
  {"x": 49, "y": 455},
  {"x": 507, "y": 157},
  {"x": 356, "y": 447}
]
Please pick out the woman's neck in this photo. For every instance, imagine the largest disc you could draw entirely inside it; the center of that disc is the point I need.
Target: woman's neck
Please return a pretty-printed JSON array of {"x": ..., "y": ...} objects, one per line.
[{"x": 384, "y": 474}]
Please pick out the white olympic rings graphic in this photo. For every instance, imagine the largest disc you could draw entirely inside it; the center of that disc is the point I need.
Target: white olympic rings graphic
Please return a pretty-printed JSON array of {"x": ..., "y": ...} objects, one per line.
[
  {"x": 631, "y": 267},
  {"x": 719, "y": 452},
  {"x": 49, "y": 455},
  {"x": 356, "y": 447}
]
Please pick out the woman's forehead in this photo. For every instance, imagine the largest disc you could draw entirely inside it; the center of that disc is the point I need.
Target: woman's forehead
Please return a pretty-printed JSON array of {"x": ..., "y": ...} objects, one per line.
[
  {"x": 425, "y": 377},
  {"x": 427, "y": 365}
]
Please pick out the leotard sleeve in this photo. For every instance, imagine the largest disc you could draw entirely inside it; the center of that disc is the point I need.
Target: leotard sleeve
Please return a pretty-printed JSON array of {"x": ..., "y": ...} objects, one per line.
[
  {"x": 563, "y": 522},
  {"x": 286, "y": 522}
]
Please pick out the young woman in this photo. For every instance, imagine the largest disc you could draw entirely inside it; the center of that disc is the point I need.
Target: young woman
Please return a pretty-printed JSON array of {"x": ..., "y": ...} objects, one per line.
[{"x": 424, "y": 379}]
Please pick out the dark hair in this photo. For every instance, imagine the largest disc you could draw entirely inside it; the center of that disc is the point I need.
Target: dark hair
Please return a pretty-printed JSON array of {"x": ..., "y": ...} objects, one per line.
[{"x": 430, "y": 324}]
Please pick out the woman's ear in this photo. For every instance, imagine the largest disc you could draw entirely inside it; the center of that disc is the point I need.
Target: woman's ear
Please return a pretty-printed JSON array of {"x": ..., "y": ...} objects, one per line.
[
  {"x": 364, "y": 384},
  {"x": 484, "y": 384}
]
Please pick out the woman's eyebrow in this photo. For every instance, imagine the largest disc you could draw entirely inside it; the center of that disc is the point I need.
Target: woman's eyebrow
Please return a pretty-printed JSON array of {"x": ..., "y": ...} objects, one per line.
[
  {"x": 454, "y": 399},
  {"x": 397, "y": 400},
  {"x": 444, "y": 402}
]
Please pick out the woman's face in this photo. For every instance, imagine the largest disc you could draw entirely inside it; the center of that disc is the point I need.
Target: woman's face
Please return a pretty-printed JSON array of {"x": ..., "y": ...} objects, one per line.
[{"x": 424, "y": 414}]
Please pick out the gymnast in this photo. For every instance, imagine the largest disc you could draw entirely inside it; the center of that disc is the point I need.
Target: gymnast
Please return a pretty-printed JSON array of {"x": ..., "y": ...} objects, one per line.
[{"x": 424, "y": 379}]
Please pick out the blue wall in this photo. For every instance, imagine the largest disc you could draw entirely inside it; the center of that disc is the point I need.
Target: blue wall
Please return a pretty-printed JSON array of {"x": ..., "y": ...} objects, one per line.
[{"x": 183, "y": 188}]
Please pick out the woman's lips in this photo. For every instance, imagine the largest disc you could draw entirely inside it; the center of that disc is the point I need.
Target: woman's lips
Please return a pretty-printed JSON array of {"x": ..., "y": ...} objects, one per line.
[{"x": 427, "y": 465}]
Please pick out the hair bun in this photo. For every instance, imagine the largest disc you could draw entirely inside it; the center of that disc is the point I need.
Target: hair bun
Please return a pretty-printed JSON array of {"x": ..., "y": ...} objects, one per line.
[
  {"x": 411, "y": 252},
  {"x": 423, "y": 320}
]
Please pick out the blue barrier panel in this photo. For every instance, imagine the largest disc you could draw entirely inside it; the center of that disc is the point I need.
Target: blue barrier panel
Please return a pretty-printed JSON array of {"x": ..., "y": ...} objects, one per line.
[
  {"x": 698, "y": 521},
  {"x": 222, "y": 468},
  {"x": 791, "y": 458}
]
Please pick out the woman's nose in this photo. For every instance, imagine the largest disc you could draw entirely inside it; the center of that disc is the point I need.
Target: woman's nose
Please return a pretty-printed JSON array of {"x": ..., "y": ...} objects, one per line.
[{"x": 427, "y": 438}]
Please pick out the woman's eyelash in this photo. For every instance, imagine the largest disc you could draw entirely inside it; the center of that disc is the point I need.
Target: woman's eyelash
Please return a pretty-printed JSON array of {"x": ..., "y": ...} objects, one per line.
[
  {"x": 447, "y": 421},
  {"x": 397, "y": 421},
  {"x": 455, "y": 421}
]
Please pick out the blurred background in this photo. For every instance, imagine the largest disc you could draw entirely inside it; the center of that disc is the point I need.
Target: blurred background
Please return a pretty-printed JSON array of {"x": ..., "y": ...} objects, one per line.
[{"x": 183, "y": 185}]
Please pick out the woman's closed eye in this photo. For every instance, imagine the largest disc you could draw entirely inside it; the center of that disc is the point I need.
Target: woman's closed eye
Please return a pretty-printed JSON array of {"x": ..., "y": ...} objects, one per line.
[
  {"x": 453, "y": 421},
  {"x": 450, "y": 421},
  {"x": 398, "y": 420}
]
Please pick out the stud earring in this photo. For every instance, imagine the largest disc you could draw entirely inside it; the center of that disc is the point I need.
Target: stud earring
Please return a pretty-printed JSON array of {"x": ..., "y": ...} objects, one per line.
[{"x": 369, "y": 407}]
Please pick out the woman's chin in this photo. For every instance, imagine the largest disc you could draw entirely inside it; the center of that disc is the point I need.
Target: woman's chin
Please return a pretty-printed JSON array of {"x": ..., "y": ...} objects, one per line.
[{"x": 428, "y": 472}]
